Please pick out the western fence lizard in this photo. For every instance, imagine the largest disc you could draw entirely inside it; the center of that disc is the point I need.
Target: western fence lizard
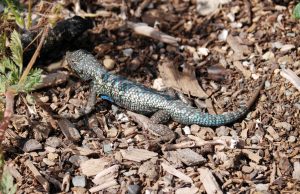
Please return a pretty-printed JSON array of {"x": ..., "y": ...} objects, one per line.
[{"x": 143, "y": 100}]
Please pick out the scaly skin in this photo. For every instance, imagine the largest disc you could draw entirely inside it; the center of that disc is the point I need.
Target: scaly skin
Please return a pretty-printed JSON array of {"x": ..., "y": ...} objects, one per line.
[{"x": 138, "y": 98}]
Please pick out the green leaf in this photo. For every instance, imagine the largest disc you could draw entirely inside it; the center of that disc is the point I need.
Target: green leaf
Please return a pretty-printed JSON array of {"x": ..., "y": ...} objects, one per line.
[
  {"x": 2, "y": 84},
  {"x": 34, "y": 77},
  {"x": 17, "y": 50},
  {"x": 296, "y": 12},
  {"x": 6, "y": 63},
  {"x": 13, "y": 9},
  {"x": 2, "y": 43},
  {"x": 7, "y": 183}
]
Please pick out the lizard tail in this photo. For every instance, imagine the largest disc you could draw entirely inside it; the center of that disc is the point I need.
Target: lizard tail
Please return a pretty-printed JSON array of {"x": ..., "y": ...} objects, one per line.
[{"x": 188, "y": 115}]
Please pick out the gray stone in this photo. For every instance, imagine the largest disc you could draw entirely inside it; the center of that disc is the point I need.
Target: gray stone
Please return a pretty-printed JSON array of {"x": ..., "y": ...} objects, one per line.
[
  {"x": 32, "y": 145},
  {"x": 134, "y": 189},
  {"x": 53, "y": 142},
  {"x": 79, "y": 181},
  {"x": 76, "y": 159}
]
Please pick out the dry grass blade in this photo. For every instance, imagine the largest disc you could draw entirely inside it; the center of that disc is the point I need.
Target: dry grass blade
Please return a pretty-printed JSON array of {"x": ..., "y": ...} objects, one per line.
[{"x": 35, "y": 55}]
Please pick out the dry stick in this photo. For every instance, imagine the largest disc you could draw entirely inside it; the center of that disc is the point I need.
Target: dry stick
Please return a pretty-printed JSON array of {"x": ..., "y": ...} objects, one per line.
[{"x": 35, "y": 55}]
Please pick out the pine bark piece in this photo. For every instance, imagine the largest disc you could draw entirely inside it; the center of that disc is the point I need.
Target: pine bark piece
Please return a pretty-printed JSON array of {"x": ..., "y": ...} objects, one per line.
[
  {"x": 190, "y": 158},
  {"x": 93, "y": 166},
  {"x": 37, "y": 175},
  {"x": 68, "y": 129},
  {"x": 177, "y": 173},
  {"x": 103, "y": 186},
  {"x": 209, "y": 182},
  {"x": 137, "y": 155},
  {"x": 185, "y": 81},
  {"x": 111, "y": 171}
]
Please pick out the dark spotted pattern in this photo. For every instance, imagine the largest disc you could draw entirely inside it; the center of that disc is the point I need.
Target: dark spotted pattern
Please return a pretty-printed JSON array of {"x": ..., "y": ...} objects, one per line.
[{"x": 138, "y": 98}]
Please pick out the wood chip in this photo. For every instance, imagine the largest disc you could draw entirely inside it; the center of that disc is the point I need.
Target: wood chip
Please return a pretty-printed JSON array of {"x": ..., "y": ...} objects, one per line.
[
  {"x": 103, "y": 186},
  {"x": 145, "y": 30},
  {"x": 209, "y": 182},
  {"x": 37, "y": 175},
  {"x": 252, "y": 156},
  {"x": 177, "y": 173},
  {"x": 291, "y": 76},
  {"x": 185, "y": 82},
  {"x": 69, "y": 130},
  {"x": 273, "y": 133},
  {"x": 112, "y": 171},
  {"x": 190, "y": 157},
  {"x": 241, "y": 68},
  {"x": 137, "y": 155},
  {"x": 296, "y": 172},
  {"x": 190, "y": 190},
  {"x": 237, "y": 47},
  {"x": 93, "y": 166}
]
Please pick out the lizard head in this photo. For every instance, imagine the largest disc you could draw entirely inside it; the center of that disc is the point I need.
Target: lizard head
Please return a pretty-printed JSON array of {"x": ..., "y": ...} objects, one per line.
[{"x": 83, "y": 63}]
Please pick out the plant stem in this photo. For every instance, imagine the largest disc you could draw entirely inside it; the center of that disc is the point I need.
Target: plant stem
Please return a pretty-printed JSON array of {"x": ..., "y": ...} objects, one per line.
[{"x": 9, "y": 109}]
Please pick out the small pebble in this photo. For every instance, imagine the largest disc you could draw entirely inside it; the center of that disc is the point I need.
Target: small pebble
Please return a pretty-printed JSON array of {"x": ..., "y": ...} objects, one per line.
[
  {"x": 109, "y": 63},
  {"x": 202, "y": 51},
  {"x": 159, "y": 85},
  {"x": 122, "y": 118},
  {"x": 52, "y": 156},
  {"x": 262, "y": 187},
  {"x": 48, "y": 162},
  {"x": 287, "y": 47},
  {"x": 284, "y": 125},
  {"x": 222, "y": 131},
  {"x": 50, "y": 149},
  {"x": 128, "y": 52},
  {"x": 112, "y": 132},
  {"x": 76, "y": 159},
  {"x": 32, "y": 145},
  {"x": 44, "y": 99},
  {"x": 223, "y": 35},
  {"x": 79, "y": 181},
  {"x": 255, "y": 76},
  {"x": 291, "y": 139},
  {"x": 277, "y": 45},
  {"x": 247, "y": 169},
  {"x": 134, "y": 189},
  {"x": 107, "y": 148},
  {"x": 53, "y": 142},
  {"x": 187, "y": 130},
  {"x": 268, "y": 55}
]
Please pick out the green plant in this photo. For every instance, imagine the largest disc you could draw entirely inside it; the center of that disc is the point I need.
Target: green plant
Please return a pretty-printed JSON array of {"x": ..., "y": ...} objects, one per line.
[
  {"x": 12, "y": 10},
  {"x": 7, "y": 185},
  {"x": 11, "y": 69},
  {"x": 296, "y": 12}
]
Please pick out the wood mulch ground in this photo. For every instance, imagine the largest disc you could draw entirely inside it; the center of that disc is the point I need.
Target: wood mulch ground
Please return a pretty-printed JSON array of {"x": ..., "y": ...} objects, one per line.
[{"x": 215, "y": 54}]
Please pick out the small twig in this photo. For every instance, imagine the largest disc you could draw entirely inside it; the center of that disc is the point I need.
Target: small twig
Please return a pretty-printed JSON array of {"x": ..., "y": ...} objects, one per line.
[{"x": 34, "y": 57}]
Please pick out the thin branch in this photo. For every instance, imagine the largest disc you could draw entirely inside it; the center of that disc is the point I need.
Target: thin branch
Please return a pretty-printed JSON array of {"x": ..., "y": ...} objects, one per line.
[{"x": 34, "y": 57}]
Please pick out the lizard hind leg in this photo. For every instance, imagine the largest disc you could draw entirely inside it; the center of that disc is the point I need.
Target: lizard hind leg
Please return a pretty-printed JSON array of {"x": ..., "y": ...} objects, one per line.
[{"x": 160, "y": 116}]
